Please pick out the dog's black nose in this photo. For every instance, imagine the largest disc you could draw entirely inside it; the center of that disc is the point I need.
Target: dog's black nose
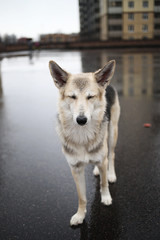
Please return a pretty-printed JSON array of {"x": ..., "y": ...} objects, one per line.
[{"x": 81, "y": 120}]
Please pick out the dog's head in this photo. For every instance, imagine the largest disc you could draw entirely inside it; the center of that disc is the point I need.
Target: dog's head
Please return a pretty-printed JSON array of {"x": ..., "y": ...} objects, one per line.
[{"x": 83, "y": 95}]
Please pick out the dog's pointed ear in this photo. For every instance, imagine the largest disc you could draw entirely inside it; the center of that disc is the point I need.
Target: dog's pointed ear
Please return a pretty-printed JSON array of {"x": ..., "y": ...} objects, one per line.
[
  {"x": 104, "y": 75},
  {"x": 58, "y": 74}
]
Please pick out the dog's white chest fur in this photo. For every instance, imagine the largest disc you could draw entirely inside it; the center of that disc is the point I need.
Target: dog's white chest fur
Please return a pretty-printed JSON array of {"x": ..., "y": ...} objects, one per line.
[{"x": 83, "y": 144}]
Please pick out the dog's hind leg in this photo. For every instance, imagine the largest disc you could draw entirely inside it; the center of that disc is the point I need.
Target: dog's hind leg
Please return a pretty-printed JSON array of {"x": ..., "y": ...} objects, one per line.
[
  {"x": 113, "y": 133},
  {"x": 112, "y": 140},
  {"x": 79, "y": 178}
]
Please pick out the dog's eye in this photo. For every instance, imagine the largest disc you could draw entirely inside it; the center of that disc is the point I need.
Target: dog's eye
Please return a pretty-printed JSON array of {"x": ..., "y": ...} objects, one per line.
[
  {"x": 89, "y": 97},
  {"x": 73, "y": 97}
]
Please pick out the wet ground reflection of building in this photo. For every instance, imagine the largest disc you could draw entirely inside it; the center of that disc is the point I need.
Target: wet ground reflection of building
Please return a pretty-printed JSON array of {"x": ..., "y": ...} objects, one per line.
[
  {"x": 137, "y": 72},
  {"x": 135, "y": 75},
  {"x": 0, "y": 80},
  {"x": 156, "y": 78}
]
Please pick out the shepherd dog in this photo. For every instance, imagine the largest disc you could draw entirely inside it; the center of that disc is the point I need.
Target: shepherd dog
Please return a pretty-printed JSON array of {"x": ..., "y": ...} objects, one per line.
[{"x": 88, "y": 115}]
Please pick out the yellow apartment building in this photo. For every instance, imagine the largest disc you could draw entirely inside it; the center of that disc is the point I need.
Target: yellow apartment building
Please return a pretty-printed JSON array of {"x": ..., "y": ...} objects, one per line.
[
  {"x": 138, "y": 19},
  {"x": 119, "y": 19}
]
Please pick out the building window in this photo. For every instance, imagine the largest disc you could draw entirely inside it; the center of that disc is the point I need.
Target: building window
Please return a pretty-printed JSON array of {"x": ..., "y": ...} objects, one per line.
[
  {"x": 157, "y": 26},
  {"x": 114, "y": 16},
  {"x": 144, "y": 37},
  {"x": 145, "y": 28},
  {"x": 157, "y": 15},
  {"x": 145, "y": 4},
  {"x": 97, "y": 20},
  {"x": 115, "y": 27},
  {"x": 131, "y": 4},
  {"x": 115, "y": 4},
  {"x": 131, "y": 16},
  {"x": 145, "y": 16},
  {"x": 131, "y": 28},
  {"x": 131, "y": 79},
  {"x": 96, "y": 10},
  {"x": 131, "y": 60},
  {"x": 131, "y": 38},
  {"x": 157, "y": 3},
  {"x": 58, "y": 39}
]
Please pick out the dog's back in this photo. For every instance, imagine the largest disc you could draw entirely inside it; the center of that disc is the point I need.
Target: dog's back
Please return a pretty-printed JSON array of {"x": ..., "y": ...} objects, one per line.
[{"x": 110, "y": 99}]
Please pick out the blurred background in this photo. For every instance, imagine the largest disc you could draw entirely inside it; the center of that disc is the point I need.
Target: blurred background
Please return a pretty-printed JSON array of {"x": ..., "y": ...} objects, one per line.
[{"x": 37, "y": 192}]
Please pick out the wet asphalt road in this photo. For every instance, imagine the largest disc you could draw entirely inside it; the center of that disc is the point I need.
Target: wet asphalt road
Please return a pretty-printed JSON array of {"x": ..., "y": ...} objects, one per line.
[{"x": 37, "y": 192}]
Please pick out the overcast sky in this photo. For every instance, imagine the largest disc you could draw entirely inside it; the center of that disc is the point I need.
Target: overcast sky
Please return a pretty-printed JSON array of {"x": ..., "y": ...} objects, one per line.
[{"x": 31, "y": 18}]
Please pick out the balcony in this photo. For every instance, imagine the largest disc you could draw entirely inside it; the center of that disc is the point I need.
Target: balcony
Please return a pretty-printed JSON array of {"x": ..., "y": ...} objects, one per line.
[
  {"x": 115, "y": 21},
  {"x": 115, "y": 10}
]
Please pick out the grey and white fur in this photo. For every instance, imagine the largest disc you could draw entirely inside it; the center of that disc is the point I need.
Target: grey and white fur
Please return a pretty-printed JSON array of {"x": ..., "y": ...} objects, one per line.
[{"x": 88, "y": 115}]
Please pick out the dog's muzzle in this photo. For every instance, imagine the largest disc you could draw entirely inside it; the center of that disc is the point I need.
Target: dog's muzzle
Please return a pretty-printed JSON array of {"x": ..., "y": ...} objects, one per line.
[{"x": 81, "y": 120}]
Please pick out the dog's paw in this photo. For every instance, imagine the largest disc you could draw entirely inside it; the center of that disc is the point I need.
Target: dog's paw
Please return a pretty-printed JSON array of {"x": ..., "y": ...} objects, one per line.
[
  {"x": 106, "y": 199},
  {"x": 96, "y": 171},
  {"x": 77, "y": 219},
  {"x": 112, "y": 178}
]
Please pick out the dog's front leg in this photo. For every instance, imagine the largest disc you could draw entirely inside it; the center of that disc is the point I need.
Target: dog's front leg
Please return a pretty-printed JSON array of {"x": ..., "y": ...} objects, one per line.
[
  {"x": 79, "y": 178},
  {"x": 105, "y": 193}
]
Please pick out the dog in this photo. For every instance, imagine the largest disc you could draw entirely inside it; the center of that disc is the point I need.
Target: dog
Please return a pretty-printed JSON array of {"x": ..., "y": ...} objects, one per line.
[{"x": 88, "y": 118}]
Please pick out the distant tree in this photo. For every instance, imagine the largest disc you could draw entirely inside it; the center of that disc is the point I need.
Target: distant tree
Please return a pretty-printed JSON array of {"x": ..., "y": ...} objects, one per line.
[
  {"x": 6, "y": 39},
  {"x": 10, "y": 39},
  {"x": 13, "y": 38}
]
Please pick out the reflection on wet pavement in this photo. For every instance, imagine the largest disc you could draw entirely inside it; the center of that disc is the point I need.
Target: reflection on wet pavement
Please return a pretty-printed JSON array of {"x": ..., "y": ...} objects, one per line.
[
  {"x": 37, "y": 192},
  {"x": 0, "y": 80},
  {"x": 136, "y": 73}
]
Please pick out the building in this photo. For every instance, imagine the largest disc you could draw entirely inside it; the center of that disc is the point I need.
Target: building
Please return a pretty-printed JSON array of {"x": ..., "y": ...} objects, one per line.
[
  {"x": 119, "y": 19},
  {"x": 24, "y": 40},
  {"x": 58, "y": 37},
  {"x": 138, "y": 19},
  {"x": 89, "y": 19}
]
